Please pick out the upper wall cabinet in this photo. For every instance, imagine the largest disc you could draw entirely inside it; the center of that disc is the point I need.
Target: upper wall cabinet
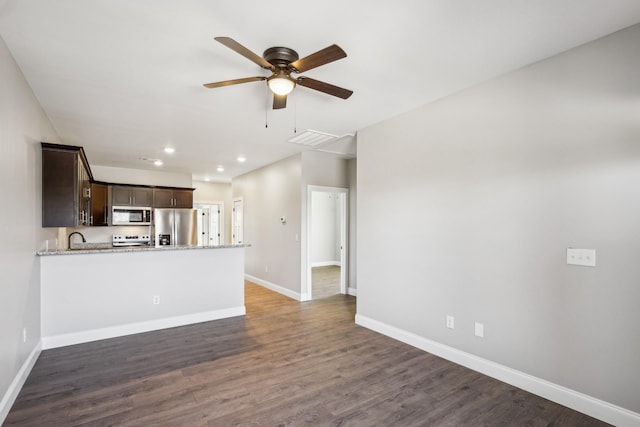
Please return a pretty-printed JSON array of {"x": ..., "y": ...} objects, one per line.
[
  {"x": 172, "y": 198},
  {"x": 71, "y": 197},
  {"x": 125, "y": 195},
  {"x": 99, "y": 205},
  {"x": 66, "y": 188}
]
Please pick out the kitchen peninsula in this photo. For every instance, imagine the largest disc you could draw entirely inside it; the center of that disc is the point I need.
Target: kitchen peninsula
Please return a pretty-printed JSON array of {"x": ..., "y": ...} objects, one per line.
[{"x": 93, "y": 294}]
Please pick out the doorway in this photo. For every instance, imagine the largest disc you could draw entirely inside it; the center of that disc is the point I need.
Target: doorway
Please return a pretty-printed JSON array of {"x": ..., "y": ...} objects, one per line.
[
  {"x": 327, "y": 242},
  {"x": 237, "y": 219},
  {"x": 210, "y": 223}
]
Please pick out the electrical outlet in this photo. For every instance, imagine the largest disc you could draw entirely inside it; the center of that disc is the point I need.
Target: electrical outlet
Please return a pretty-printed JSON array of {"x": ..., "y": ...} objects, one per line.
[
  {"x": 266, "y": 268},
  {"x": 156, "y": 299},
  {"x": 450, "y": 322},
  {"x": 24, "y": 334},
  {"x": 479, "y": 330},
  {"x": 583, "y": 257}
]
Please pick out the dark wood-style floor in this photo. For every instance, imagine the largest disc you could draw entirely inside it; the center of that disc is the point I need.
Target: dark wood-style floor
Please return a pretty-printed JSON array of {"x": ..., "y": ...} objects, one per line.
[{"x": 285, "y": 363}]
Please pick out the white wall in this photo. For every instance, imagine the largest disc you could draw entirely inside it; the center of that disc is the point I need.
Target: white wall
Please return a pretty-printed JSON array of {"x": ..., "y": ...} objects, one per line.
[
  {"x": 325, "y": 233},
  {"x": 99, "y": 234},
  {"x": 268, "y": 194},
  {"x": 482, "y": 194},
  {"x": 206, "y": 192},
  {"x": 76, "y": 310},
  {"x": 139, "y": 176},
  {"x": 23, "y": 125}
]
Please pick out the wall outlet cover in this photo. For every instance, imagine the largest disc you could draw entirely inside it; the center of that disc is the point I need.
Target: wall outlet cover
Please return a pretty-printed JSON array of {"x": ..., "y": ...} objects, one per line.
[
  {"x": 479, "y": 330},
  {"x": 450, "y": 322}
]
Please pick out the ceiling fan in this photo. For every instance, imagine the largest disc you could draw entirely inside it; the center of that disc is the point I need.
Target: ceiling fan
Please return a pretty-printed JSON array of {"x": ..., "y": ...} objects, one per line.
[{"x": 282, "y": 62}]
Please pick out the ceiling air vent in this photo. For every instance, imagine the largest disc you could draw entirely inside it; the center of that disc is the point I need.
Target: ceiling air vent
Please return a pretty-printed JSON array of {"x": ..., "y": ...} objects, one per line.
[{"x": 311, "y": 138}]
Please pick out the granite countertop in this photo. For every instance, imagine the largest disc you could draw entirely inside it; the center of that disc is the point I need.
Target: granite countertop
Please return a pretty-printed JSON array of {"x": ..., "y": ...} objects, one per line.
[{"x": 101, "y": 248}]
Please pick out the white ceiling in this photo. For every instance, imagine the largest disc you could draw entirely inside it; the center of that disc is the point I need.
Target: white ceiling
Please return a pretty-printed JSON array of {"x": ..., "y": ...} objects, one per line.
[{"x": 123, "y": 78}]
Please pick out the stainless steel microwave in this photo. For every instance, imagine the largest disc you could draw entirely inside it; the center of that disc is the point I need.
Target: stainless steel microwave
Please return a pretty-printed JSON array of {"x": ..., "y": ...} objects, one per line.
[{"x": 131, "y": 215}]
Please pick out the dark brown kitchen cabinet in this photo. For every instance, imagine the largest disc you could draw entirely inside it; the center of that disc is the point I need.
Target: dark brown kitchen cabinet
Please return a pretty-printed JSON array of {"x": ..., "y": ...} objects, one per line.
[
  {"x": 125, "y": 195},
  {"x": 99, "y": 204},
  {"x": 66, "y": 189},
  {"x": 172, "y": 198}
]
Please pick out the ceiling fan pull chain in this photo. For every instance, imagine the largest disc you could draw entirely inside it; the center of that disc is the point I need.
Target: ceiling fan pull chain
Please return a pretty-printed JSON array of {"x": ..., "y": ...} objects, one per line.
[
  {"x": 266, "y": 109},
  {"x": 295, "y": 113}
]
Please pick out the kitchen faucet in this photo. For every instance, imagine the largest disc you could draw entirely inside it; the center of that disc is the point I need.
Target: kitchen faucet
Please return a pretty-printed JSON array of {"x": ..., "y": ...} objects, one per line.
[{"x": 75, "y": 232}]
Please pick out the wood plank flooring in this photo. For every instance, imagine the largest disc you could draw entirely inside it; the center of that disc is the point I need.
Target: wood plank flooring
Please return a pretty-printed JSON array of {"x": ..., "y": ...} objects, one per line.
[
  {"x": 325, "y": 281},
  {"x": 285, "y": 364}
]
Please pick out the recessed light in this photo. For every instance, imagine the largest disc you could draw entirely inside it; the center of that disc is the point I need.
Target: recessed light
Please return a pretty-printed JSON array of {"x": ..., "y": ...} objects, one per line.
[
  {"x": 207, "y": 179},
  {"x": 241, "y": 159},
  {"x": 220, "y": 169},
  {"x": 158, "y": 163},
  {"x": 169, "y": 150}
]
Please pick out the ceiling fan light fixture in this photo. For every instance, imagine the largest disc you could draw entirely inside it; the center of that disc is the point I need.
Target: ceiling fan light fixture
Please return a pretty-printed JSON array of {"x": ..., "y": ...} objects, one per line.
[{"x": 281, "y": 85}]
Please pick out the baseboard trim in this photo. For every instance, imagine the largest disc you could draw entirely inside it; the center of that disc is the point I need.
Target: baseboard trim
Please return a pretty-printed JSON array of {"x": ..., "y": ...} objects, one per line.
[
  {"x": 325, "y": 263},
  {"x": 591, "y": 406},
  {"x": 276, "y": 288},
  {"x": 352, "y": 292},
  {"x": 18, "y": 381},
  {"x": 139, "y": 327}
]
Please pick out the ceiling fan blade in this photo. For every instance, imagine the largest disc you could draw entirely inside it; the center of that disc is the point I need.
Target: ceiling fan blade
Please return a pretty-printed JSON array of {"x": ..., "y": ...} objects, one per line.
[
  {"x": 324, "y": 87},
  {"x": 321, "y": 57},
  {"x": 237, "y": 47},
  {"x": 279, "y": 101},
  {"x": 234, "y": 82}
]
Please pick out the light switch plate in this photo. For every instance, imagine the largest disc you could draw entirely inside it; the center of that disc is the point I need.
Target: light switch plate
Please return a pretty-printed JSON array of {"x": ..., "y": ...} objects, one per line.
[
  {"x": 584, "y": 257},
  {"x": 479, "y": 329}
]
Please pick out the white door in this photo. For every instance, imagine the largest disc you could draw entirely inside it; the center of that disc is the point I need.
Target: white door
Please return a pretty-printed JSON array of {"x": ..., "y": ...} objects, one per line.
[
  {"x": 237, "y": 222},
  {"x": 203, "y": 226},
  {"x": 215, "y": 226},
  {"x": 210, "y": 220}
]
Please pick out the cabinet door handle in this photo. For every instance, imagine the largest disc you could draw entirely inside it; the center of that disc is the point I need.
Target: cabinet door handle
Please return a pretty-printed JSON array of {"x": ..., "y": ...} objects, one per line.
[{"x": 91, "y": 220}]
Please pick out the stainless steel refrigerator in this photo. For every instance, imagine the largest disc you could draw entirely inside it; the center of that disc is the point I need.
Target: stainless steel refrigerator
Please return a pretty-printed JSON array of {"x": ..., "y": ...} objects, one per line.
[{"x": 175, "y": 227}]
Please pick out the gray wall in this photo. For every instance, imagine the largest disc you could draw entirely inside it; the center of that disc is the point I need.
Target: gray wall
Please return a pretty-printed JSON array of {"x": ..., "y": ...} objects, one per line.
[
  {"x": 353, "y": 215},
  {"x": 467, "y": 205},
  {"x": 325, "y": 170},
  {"x": 268, "y": 194},
  {"x": 277, "y": 190},
  {"x": 23, "y": 125}
]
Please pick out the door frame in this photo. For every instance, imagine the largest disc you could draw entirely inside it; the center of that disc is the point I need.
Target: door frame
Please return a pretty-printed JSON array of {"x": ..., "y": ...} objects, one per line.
[
  {"x": 221, "y": 222},
  {"x": 307, "y": 291},
  {"x": 233, "y": 220}
]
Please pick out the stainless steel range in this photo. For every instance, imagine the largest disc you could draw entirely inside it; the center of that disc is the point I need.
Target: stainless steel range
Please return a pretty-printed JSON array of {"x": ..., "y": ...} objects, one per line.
[{"x": 131, "y": 240}]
